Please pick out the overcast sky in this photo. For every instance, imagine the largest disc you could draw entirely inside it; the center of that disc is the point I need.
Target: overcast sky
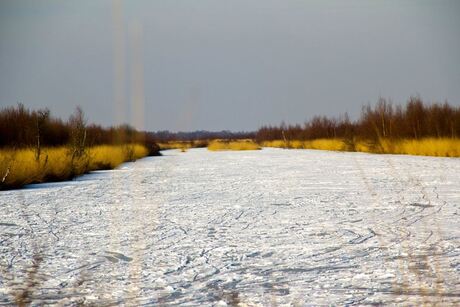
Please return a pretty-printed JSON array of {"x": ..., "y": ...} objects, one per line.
[{"x": 220, "y": 64}]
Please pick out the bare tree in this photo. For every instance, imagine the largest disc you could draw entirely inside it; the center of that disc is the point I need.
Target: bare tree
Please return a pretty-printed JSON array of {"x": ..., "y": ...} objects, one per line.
[
  {"x": 77, "y": 123},
  {"x": 41, "y": 118}
]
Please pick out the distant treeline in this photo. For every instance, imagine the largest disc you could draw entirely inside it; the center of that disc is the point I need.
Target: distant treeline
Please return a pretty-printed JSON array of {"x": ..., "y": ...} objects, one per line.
[
  {"x": 415, "y": 120},
  {"x": 167, "y": 136},
  {"x": 24, "y": 128}
]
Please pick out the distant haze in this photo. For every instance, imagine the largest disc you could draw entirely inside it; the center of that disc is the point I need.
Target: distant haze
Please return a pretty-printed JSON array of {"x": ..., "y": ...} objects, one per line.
[{"x": 219, "y": 64}]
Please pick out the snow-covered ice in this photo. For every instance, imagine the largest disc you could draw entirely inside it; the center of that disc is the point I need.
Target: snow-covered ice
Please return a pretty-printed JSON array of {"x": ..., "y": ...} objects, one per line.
[{"x": 271, "y": 227}]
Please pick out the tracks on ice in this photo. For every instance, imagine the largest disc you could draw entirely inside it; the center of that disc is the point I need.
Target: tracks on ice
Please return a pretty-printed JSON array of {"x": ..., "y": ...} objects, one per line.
[{"x": 281, "y": 226}]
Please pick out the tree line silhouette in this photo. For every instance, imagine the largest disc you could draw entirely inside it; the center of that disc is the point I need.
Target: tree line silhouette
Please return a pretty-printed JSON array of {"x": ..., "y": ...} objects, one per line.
[
  {"x": 200, "y": 135},
  {"x": 23, "y": 128},
  {"x": 415, "y": 120}
]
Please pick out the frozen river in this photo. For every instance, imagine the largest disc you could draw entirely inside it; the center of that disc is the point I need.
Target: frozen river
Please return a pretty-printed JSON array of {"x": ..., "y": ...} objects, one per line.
[{"x": 270, "y": 227}]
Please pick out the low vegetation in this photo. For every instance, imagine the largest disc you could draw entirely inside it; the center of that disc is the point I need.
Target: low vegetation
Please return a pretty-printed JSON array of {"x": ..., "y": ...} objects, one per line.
[
  {"x": 217, "y": 145},
  {"x": 416, "y": 129},
  {"x": 19, "y": 167},
  {"x": 198, "y": 136},
  {"x": 35, "y": 147},
  {"x": 442, "y": 147},
  {"x": 438, "y": 147},
  {"x": 415, "y": 120},
  {"x": 323, "y": 144},
  {"x": 182, "y": 145},
  {"x": 23, "y": 128}
]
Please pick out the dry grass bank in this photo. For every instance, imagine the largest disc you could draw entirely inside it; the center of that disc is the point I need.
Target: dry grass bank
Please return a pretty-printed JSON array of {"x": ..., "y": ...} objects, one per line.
[
  {"x": 20, "y": 167},
  {"x": 323, "y": 144},
  {"x": 217, "y": 145},
  {"x": 437, "y": 147},
  {"x": 183, "y": 145}
]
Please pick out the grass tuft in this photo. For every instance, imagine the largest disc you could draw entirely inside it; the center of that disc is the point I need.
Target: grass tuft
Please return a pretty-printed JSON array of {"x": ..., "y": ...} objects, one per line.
[{"x": 218, "y": 145}]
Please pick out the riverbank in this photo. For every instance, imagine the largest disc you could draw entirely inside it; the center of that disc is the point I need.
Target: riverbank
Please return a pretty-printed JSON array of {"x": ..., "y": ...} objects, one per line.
[
  {"x": 435, "y": 147},
  {"x": 23, "y": 166},
  {"x": 222, "y": 145}
]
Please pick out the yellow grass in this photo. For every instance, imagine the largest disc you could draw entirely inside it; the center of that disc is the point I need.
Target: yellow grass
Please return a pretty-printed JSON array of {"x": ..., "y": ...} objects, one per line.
[
  {"x": 19, "y": 167},
  {"x": 322, "y": 144},
  {"x": 108, "y": 156},
  {"x": 275, "y": 144},
  {"x": 365, "y": 146},
  {"x": 233, "y": 145},
  {"x": 326, "y": 144},
  {"x": 438, "y": 147},
  {"x": 175, "y": 145}
]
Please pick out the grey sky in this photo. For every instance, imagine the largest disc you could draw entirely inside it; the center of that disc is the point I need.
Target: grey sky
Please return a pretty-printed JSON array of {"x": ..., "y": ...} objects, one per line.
[{"x": 220, "y": 64}]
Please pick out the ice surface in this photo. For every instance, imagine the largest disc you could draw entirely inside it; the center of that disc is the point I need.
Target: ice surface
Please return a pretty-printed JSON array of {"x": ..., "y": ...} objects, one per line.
[{"x": 271, "y": 227}]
